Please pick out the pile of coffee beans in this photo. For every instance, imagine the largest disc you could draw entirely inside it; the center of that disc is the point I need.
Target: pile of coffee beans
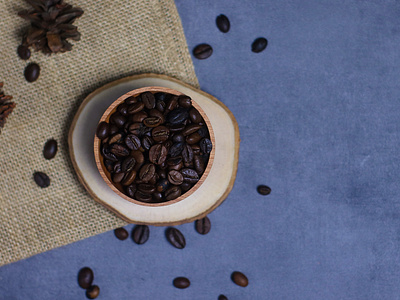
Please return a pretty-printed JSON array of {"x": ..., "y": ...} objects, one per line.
[
  {"x": 155, "y": 146},
  {"x": 85, "y": 280}
]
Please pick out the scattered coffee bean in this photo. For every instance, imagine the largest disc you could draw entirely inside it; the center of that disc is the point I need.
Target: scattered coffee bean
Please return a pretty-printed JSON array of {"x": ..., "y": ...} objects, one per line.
[
  {"x": 259, "y": 45},
  {"x": 103, "y": 130},
  {"x": 85, "y": 277},
  {"x": 202, "y": 51},
  {"x": 263, "y": 190},
  {"x": 24, "y": 52},
  {"x": 181, "y": 282},
  {"x": 203, "y": 226},
  {"x": 140, "y": 234},
  {"x": 121, "y": 233},
  {"x": 175, "y": 237},
  {"x": 222, "y": 297},
  {"x": 223, "y": 23},
  {"x": 32, "y": 72},
  {"x": 41, "y": 179},
  {"x": 240, "y": 279},
  {"x": 50, "y": 149},
  {"x": 93, "y": 292}
]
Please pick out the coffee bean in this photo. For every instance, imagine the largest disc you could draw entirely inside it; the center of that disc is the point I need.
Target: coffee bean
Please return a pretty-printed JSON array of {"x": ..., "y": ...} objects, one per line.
[
  {"x": 175, "y": 163},
  {"x": 187, "y": 155},
  {"x": 222, "y": 297},
  {"x": 135, "y": 107},
  {"x": 172, "y": 103},
  {"x": 133, "y": 142},
  {"x": 128, "y": 164},
  {"x": 160, "y": 134},
  {"x": 195, "y": 116},
  {"x": 152, "y": 121},
  {"x": 196, "y": 149},
  {"x": 240, "y": 279},
  {"x": 173, "y": 193},
  {"x": 121, "y": 233},
  {"x": 177, "y": 116},
  {"x": 113, "y": 129},
  {"x": 117, "y": 167},
  {"x": 190, "y": 175},
  {"x": 185, "y": 186},
  {"x": 223, "y": 23},
  {"x": 129, "y": 178},
  {"x": 177, "y": 127},
  {"x": 117, "y": 177},
  {"x": 259, "y": 45},
  {"x": 147, "y": 142},
  {"x": 148, "y": 99},
  {"x": 123, "y": 109},
  {"x": 160, "y": 96},
  {"x": 176, "y": 149},
  {"x": 139, "y": 116},
  {"x": 24, "y": 52},
  {"x": 162, "y": 185},
  {"x": 181, "y": 282},
  {"x": 203, "y": 226},
  {"x": 158, "y": 154},
  {"x": 156, "y": 113},
  {"x": 116, "y": 138},
  {"x": 194, "y": 138},
  {"x": 139, "y": 158},
  {"x": 109, "y": 165},
  {"x": 131, "y": 190},
  {"x": 103, "y": 130},
  {"x": 202, "y": 51},
  {"x": 192, "y": 128},
  {"x": 147, "y": 172},
  {"x": 41, "y": 179},
  {"x": 135, "y": 128},
  {"x": 93, "y": 292},
  {"x": 160, "y": 106},
  {"x": 184, "y": 101},
  {"x": 131, "y": 100},
  {"x": 140, "y": 234},
  {"x": 199, "y": 164},
  {"x": 140, "y": 196},
  {"x": 146, "y": 188},
  {"x": 117, "y": 119},
  {"x": 85, "y": 277},
  {"x": 105, "y": 150},
  {"x": 206, "y": 145},
  {"x": 119, "y": 150},
  {"x": 175, "y": 177},
  {"x": 50, "y": 149},
  {"x": 178, "y": 138},
  {"x": 263, "y": 190},
  {"x": 175, "y": 237},
  {"x": 32, "y": 72},
  {"x": 203, "y": 131}
]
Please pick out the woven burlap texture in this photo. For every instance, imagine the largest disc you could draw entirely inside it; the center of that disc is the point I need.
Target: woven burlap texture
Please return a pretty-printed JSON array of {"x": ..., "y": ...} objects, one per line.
[{"x": 119, "y": 38}]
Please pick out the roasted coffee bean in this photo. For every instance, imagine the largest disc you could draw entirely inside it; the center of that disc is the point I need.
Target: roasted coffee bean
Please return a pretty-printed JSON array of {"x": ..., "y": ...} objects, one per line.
[
  {"x": 156, "y": 113},
  {"x": 139, "y": 158},
  {"x": 148, "y": 99},
  {"x": 192, "y": 128},
  {"x": 160, "y": 134},
  {"x": 139, "y": 116},
  {"x": 128, "y": 164},
  {"x": 184, "y": 101},
  {"x": 85, "y": 277},
  {"x": 135, "y": 107},
  {"x": 113, "y": 129},
  {"x": 131, "y": 190},
  {"x": 103, "y": 130},
  {"x": 177, "y": 116},
  {"x": 175, "y": 177},
  {"x": 190, "y": 175},
  {"x": 161, "y": 105},
  {"x": 135, "y": 128},
  {"x": 24, "y": 52},
  {"x": 131, "y": 100},
  {"x": 119, "y": 150},
  {"x": 162, "y": 173},
  {"x": 157, "y": 197},
  {"x": 140, "y": 196},
  {"x": 105, "y": 150},
  {"x": 187, "y": 155},
  {"x": 32, "y": 72},
  {"x": 176, "y": 149},
  {"x": 203, "y": 131},
  {"x": 168, "y": 144},
  {"x": 194, "y": 138},
  {"x": 93, "y": 292},
  {"x": 203, "y": 226},
  {"x": 162, "y": 185},
  {"x": 222, "y": 297},
  {"x": 133, "y": 142},
  {"x": 173, "y": 193},
  {"x": 147, "y": 172},
  {"x": 41, "y": 179},
  {"x": 206, "y": 145},
  {"x": 196, "y": 149},
  {"x": 259, "y": 45},
  {"x": 263, "y": 190},
  {"x": 129, "y": 178},
  {"x": 185, "y": 186},
  {"x": 140, "y": 234},
  {"x": 117, "y": 167},
  {"x": 181, "y": 282},
  {"x": 175, "y": 237},
  {"x": 158, "y": 154},
  {"x": 118, "y": 119},
  {"x": 117, "y": 177},
  {"x": 123, "y": 109},
  {"x": 240, "y": 279},
  {"x": 177, "y": 127},
  {"x": 160, "y": 96},
  {"x": 121, "y": 233},
  {"x": 146, "y": 188},
  {"x": 109, "y": 165},
  {"x": 50, "y": 149},
  {"x": 172, "y": 103},
  {"x": 154, "y": 179},
  {"x": 202, "y": 51},
  {"x": 199, "y": 164},
  {"x": 223, "y": 23},
  {"x": 178, "y": 138},
  {"x": 195, "y": 116},
  {"x": 147, "y": 142},
  {"x": 116, "y": 138},
  {"x": 175, "y": 163},
  {"x": 152, "y": 121}
]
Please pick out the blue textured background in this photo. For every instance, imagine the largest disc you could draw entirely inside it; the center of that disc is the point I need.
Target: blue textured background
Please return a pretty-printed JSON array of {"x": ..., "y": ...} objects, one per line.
[{"x": 318, "y": 116}]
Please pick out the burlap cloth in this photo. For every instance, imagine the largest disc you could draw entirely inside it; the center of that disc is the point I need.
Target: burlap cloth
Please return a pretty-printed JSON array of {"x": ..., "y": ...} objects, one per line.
[{"x": 119, "y": 38}]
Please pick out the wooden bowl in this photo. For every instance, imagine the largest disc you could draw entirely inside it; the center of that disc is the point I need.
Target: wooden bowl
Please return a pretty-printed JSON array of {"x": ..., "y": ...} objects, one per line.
[{"x": 117, "y": 187}]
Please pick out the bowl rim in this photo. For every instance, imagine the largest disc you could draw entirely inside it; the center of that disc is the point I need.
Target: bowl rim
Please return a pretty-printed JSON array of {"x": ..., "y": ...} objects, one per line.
[{"x": 99, "y": 159}]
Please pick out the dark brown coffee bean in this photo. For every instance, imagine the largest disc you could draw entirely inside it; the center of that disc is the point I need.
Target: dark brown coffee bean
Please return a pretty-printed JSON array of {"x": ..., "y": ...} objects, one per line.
[
  {"x": 190, "y": 175},
  {"x": 139, "y": 116},
  {"x": 173, "y": 193},
  {"x": 175, "y": 163},
  {"x": 192, "y": 128},
  {"x": 175, "y": 177},
  {"x": 184, "y": 101},
  {"x": 181, "y": 282},
  {"x": 116, "y": 138},
  {"x": 50, "y": 149},
  {"x": 41, "y": 179},
  {"x": 109, "y": 165},
  {"x": 133, "y": 142},
  {"x": 139, "y": 158},
  {"x": 240, "y": 279},
  {"x": 147, "y": 172},
  {"x": 128, "y": 164},
  {"x": 117, "y": 177},
  {"x": 152, "y": 122},
  {"x": 135, "y": 128},
  {"x": 176, "y": 149},
  {"x": 195, "y": 116},
  {"x": 185, "y": 186},
  {"x": 177, "y": 127},
  {"x": 196, "y": 149},
  {"x": 194, "y": 138},
  {"x": 131, "y": 190},
  {"x": 160, "y": 106},
  {"x": 131, "y": 100},
  {"x": 162, "y": 174},
  {"x": 123, "y": 109},
  {"x": 158, "y": 154},
  {"x": 140, "y": 196},
  {"x": 154, "y": 179},
  {"x": 199, "y": 164},
  {"x": 175, "y": 237},
  {"x": 117, "y": 167},
  {"x": 93, "y": 292},
  {"x": 118, "y": 119},
  {"x": 205, "y": 145},
  {"x": 162, "y": 185},
  {"x": 32, "y": 72},
  {"x": 187, "y": 155},
  {"x": 223, "y": 23},
  {"x": 203, "y": 226},
  {"x": 119, "y": 150},
  {"x": 147, "y": 142},
  {"x": 171, "y": 103},
  {"x": 157, "y": 197},
  {"x": 160, "y": 134},
  {"x": 24, "y": 52},
  {"x": 146, "y": 188},
  {"x": 103, "y": 130},
  {"x": 222, "y": 297},
  {"x": 178, "y": 138},
  {"x": 202, "y": 51},
  {"x": 121, "y": 233},
  {"x": 263, "y": 190},
  {"x": 177, "y": 116},
  {"x": 113, "y": 129},
  {"x": 203, "y": 131},
  {"x": 129, "y": 178},
  {"x": 259, "y": 45},
  {"x": 160, "y": 96},
  {"x": 148, "y": 100},
  {"x": 140, "y": 234},
  {"x": 105, "y": 150},
  {"x": 85, "y": 277},
  {"x": 156, "y": 113},
  {"x": 135, "y": 107}
]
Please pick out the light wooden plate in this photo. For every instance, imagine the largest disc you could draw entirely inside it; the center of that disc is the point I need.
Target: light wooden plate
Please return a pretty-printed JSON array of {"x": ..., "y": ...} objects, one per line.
[{"x": 206, "y": 198}]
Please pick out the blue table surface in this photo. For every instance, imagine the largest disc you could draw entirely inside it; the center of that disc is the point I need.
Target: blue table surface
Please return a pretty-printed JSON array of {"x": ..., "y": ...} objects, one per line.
[{"x": 318, "y": 113}]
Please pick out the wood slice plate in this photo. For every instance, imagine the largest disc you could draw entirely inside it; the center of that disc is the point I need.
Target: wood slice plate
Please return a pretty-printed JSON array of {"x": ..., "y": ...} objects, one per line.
[{"x": 205, "y": 199}]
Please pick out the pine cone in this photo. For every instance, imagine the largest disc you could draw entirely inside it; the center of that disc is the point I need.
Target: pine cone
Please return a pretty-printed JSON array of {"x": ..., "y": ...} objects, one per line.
[
  {"x": 6, "y": 106},
  {"x": 51, "y": 25}
]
